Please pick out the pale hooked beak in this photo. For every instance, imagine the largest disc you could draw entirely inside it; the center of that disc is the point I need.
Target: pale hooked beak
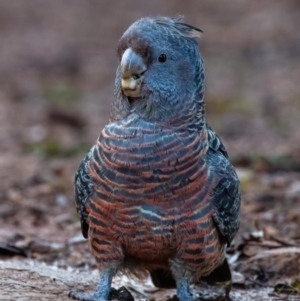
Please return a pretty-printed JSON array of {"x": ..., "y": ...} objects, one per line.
[{"x": 132, "y": 71}]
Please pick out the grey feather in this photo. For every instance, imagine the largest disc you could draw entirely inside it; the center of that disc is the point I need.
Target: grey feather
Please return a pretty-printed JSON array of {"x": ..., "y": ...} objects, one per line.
[
  {"x": 83, "y": 189},
  {"x": 226, "y": 197}
]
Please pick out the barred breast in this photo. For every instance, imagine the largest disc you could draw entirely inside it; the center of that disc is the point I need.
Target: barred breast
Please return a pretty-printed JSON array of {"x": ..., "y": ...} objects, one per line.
[{"x": 151, "y": 194}]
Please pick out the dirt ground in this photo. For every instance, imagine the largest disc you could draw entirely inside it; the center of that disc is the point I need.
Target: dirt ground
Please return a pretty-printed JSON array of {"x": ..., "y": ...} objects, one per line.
[{"x": 57, "y": 68}]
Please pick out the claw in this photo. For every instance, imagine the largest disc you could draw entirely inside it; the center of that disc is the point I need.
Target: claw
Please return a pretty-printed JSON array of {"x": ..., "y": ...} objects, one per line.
[
  {"x": 84, "y": 296},
  {"x": 121, "y": 294}
]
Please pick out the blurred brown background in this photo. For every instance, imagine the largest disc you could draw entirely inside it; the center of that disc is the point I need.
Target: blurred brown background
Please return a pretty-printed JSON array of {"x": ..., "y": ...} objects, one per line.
[{"x": 57, "y": 68}]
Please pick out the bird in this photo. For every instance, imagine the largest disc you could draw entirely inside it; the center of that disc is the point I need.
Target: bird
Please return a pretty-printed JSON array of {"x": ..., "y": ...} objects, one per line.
[{"x": 157, "y": 191}]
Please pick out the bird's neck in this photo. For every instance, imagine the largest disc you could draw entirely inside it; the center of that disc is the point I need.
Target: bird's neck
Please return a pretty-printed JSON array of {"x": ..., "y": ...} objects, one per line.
[{"x": 192, "y": 119}]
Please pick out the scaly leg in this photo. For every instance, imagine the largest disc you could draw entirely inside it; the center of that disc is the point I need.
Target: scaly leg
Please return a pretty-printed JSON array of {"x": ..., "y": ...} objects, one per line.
[
  {"x": 182, "y": 278},
  {"x": 103, "y": 289},
  {"x": 183, "y": 290}
]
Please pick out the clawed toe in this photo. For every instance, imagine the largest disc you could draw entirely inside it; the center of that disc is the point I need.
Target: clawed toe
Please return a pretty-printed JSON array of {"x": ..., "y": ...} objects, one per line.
[
  {"x": 83, "y": 296},
  {"x": 120, "y": 294}
]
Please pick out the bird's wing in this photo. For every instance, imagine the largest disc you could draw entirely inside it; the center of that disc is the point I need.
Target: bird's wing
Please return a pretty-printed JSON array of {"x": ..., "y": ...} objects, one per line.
[
  {"x": 215, "y": 142},
  {"x": 83, "y": 186},
  {"x": 226, "y": 197}
]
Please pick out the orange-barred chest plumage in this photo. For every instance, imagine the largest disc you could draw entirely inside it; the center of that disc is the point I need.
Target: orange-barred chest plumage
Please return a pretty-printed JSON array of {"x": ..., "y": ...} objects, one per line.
[{"x": 150, "y": 185}]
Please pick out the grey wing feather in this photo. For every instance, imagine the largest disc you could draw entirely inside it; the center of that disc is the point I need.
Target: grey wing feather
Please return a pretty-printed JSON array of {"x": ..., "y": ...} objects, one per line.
[
  {"x": 215, "y": 142},
  {"x": 83, "y": 189},
  {"x": 226, "y": 197}
]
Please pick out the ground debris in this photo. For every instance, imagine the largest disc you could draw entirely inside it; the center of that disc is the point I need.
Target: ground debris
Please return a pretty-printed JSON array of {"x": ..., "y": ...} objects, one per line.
[
  {"x": 35, "y": 281},
  {"x": 271, "y": 266},
  {"x": 121, "y": 294},
  {"x": 10, "y": 250},
  {"x": 293, "y": 288}
]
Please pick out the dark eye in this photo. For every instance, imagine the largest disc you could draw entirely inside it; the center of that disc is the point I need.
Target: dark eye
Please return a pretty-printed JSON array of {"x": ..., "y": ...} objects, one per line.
[{"x": 162, "y": 58}]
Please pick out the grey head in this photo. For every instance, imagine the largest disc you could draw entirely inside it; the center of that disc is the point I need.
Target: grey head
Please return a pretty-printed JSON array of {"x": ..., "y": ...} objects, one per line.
[{"x": 160, "y": 74}]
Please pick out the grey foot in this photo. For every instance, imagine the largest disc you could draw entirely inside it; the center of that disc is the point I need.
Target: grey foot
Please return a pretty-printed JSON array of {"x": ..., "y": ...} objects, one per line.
[
  {"x": 121, "y": 294},
  {"x": 85, "y": 296},
  {"x": 186, "y": 297}
]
